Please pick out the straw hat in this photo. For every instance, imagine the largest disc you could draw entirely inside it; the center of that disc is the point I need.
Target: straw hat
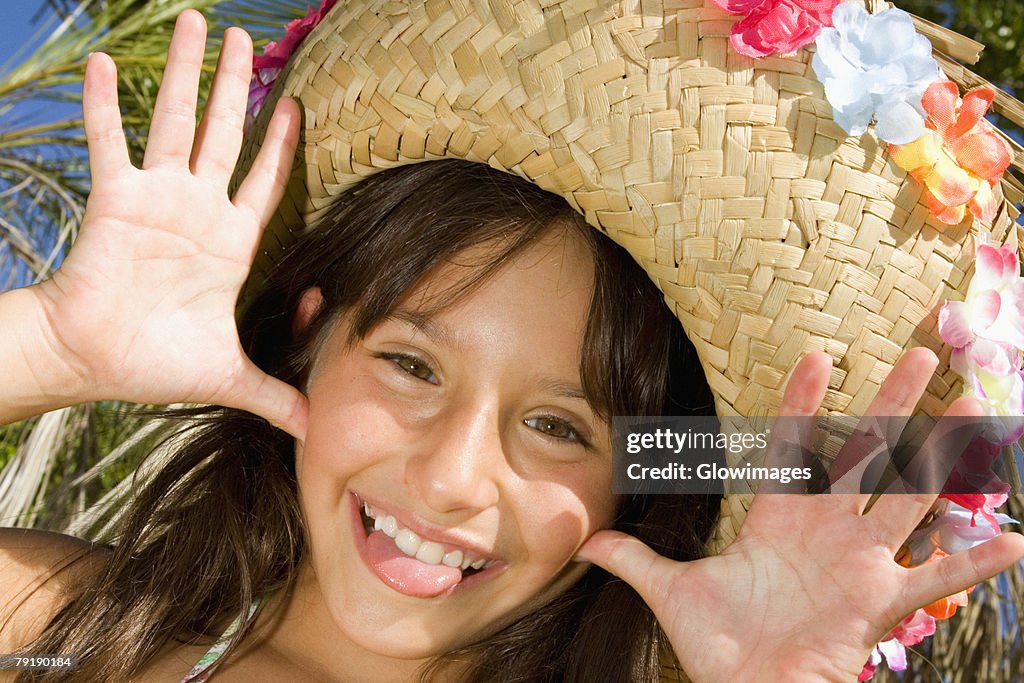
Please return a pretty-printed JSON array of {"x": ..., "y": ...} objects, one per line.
[{"x": 770, "y": 231}]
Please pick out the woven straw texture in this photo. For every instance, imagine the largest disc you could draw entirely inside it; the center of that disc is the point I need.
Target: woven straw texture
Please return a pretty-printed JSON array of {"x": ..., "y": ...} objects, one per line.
[{"x": 769, "y": 230}]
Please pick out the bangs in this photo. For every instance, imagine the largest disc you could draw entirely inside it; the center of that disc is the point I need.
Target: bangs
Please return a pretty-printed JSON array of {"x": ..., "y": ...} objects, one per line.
[{"x": 392, "y": 231}]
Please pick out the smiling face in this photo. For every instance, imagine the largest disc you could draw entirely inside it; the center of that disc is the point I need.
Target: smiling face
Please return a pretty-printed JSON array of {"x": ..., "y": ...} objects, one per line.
[{"x": 464, "y": 431}]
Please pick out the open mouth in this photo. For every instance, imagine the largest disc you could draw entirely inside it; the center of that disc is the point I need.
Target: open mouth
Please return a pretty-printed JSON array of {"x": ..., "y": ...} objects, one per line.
[{"x": 424, "y": 550}]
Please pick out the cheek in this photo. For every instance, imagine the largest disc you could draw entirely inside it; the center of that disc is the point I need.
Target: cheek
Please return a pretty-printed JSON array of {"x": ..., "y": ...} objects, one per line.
[
  {"x": 347, "y": 432},
  {"x": 556, "y": 518}
]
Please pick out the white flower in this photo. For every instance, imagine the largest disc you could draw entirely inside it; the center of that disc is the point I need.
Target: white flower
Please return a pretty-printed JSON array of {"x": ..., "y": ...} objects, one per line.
[
  {"x": 875, "y": 67},
  {"x": 954, "y": 529}
]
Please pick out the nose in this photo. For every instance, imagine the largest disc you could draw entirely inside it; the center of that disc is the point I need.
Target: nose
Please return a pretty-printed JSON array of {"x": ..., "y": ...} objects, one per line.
[{"x": 458, "y": 464}]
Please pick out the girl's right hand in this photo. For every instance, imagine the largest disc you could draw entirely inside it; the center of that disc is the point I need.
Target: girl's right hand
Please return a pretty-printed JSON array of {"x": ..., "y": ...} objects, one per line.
[{"x": 143, "y": 307}]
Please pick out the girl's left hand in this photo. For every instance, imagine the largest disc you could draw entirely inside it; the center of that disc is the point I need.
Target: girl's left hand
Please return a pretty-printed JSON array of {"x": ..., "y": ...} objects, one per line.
[{"x": 810, "y": 586}]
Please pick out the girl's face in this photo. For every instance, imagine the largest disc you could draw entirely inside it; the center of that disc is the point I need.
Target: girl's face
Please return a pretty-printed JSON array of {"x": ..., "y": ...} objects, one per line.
[{"x": 469, "y": 429}]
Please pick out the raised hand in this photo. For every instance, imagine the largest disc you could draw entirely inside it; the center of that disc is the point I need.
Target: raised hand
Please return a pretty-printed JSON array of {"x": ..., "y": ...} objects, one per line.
[
  {"x": 810, "y": 585},
  {"x": 143, "y": 307}
]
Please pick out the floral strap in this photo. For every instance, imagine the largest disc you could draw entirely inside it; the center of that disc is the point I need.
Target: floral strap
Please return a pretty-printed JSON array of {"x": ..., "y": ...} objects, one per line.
[{"x": 203, "y": 669}]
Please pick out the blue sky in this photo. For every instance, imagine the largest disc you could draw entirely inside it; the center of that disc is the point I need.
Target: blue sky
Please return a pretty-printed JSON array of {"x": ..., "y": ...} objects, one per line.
[
  {"x": 19, "y": 35},
  {"x": 18, "y": 31},
  {"x": 15, "y": 26}
]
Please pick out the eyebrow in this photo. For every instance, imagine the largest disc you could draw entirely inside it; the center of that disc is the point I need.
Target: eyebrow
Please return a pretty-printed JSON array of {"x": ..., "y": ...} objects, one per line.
[
  {"x": 565, "y": 389},
  {"x": 425, "y": 324},
  {"x": 439, "y": 333}
]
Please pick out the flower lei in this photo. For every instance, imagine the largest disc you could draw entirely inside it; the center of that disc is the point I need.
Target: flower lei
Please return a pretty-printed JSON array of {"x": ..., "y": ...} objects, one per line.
[{"x": 877, "y": 70}]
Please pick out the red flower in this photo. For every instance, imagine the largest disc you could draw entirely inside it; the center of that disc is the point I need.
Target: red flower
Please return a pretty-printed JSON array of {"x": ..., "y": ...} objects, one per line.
[
  {"x": 276, "y": 54},
  {"x": 266, "y": 67}
]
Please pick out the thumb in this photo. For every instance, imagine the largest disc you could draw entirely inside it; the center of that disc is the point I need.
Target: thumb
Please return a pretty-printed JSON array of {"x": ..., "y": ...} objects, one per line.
[
  {"x": 630, "y": 559},
  {"x": 278, "y": 402}
]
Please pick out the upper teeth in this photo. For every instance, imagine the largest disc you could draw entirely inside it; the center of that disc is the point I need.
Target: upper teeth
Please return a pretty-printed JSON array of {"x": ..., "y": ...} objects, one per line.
[{"x": 428, "y": 552}]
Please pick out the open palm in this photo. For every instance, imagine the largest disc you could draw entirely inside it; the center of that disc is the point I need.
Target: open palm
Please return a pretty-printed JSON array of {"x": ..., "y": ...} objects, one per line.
[
  {"x": 810, "y": 585},
  {"x": 144, "y": 305}
]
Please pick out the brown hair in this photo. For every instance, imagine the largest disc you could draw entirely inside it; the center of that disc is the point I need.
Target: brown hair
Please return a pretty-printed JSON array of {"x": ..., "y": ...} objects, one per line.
[{"x": 220, "y": 524}]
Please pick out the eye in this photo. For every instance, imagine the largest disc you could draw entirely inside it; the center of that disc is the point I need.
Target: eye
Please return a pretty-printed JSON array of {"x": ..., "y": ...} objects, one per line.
[
  {"x": 412, "y": 365},
  {"x": 554, "y": 427}
]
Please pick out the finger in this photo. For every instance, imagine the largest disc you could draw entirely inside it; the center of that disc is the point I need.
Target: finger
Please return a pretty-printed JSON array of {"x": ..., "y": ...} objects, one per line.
[
  {"x": 220, "y": 133},
  {"x": 792, "y": 433},
  {"x": 104, "y": 135},
  {"x": 881, "y": 428},
  {"x": 909, "y": 498},
  {"x": 950, "y": 575},
  {"x": 631, "y": 560},
  {"x": 266, "y": 181},
  {"x": 279, "y": 403},
  {"x": 807, "y": 386},
  {"x": 174, "y": 118},
  {"x": 903, "y": 388}
]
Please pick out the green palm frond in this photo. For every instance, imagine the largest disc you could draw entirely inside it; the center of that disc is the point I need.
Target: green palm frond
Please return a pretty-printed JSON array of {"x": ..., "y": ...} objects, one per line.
[
  {"x": 264, "y": 19},
  {"x": 56, "y": 466}
]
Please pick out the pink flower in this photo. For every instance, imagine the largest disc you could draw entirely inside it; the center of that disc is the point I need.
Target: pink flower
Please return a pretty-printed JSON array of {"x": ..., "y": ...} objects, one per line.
[
  {"x": 276, "y": 54},
  {"x": 895, "y": 657},
  {"x": 992, "y": 374},
  {"x": 910, "y": 631},
  {"x": 986, "y": 332},
  {"x": 266, "y": 67},
  {"x": 984, "y": 356},
  {"x": 913, "y": 629},
  {"x": 994, "y": 309},
  {"x": 777, "y": 26}
]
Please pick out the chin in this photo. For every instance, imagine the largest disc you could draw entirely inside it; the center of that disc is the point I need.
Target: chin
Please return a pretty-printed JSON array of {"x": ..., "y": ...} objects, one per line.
[
  {"x": 377, "y": 618},
  {"x": 391, "y": 621}
]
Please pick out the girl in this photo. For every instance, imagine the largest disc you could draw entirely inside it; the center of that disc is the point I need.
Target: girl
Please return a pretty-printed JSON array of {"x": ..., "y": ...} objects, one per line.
[{"x": 445, "y": 350}]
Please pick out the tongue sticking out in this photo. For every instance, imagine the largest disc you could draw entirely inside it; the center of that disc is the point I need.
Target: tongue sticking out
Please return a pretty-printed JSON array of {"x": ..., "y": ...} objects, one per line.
[{"x": 407, "y": 574}]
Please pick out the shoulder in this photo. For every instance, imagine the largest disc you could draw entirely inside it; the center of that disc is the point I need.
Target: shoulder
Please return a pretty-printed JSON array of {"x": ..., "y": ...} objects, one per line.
[{"x": 38, "y": 571}]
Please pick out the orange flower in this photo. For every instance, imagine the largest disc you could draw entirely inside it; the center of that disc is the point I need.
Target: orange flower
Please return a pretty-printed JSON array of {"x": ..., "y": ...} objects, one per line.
[
  {"x": 942, "y": 608},
  {"x": 946, "y": 607},
  {"x": 960, "y": 158}
]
